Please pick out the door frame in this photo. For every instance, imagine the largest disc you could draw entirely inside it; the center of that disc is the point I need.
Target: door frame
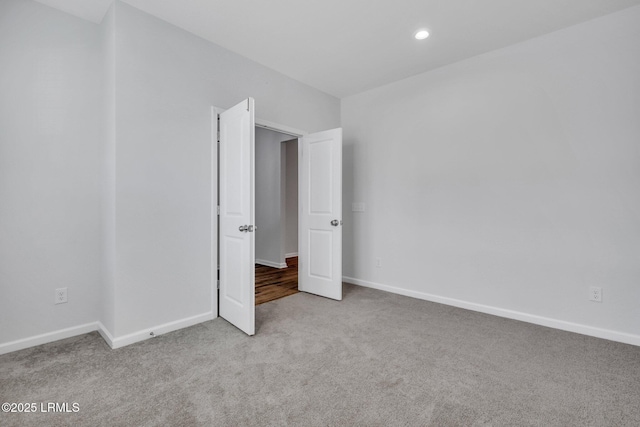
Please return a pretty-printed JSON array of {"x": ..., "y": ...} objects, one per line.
[{"x": 215, "y": 202}]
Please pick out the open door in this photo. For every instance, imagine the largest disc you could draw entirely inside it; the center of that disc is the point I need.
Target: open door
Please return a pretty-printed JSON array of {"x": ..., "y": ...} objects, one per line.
[
  {"x": 320, "y": 221},
  {"x": 237, "y": 213}
]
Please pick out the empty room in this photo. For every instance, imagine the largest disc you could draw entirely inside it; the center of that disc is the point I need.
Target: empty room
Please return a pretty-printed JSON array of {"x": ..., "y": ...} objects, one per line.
[{"x": 451, "y": 190}]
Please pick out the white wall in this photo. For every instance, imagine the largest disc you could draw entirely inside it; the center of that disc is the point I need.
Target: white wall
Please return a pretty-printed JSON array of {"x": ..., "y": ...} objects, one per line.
[
  {"x": 105, "y": 168},
  {"x": 270, "y": 237},
  {"x": 50, "y": 156},
  {"x": 508, "y": 182},
  {"x": 166, "y": 81},
  {"x": 291, "y": 199}
]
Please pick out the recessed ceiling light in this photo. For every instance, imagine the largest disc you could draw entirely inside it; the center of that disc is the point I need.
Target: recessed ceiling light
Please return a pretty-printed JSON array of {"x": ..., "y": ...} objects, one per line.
[{"x": 421, "y": 34}]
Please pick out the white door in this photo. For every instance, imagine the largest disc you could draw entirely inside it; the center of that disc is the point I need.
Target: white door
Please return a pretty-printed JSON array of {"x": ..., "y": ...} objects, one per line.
[
  {"x": 237, "y": 213},
  {"x": 320, "y": 228}
]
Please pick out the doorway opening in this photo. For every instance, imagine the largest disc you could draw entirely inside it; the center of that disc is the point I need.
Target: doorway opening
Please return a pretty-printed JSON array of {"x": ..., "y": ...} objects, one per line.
[
  {"x": 276, "y": 215},
  {"x": 234, "y": 229}
]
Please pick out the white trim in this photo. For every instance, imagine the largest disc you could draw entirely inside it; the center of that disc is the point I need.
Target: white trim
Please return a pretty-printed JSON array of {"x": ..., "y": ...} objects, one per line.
[
  {"x": 279, "y": 128},
  {"x": 271, "y": 263},
  {"x": 48, "y": 337},
  {"x": 291, "y": 255},
  {"x": 157, "y": 330},
  {"x": 104, "y": 332},
  {"x": 215, "y": 214},
  {"x": 266, "y": 124},
  {"x": 607, "y": 334}
]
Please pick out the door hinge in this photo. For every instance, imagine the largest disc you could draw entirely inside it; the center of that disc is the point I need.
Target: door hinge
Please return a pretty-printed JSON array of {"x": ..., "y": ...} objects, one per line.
[
  {"x": 218, "y": 210},
  {"x": 218, "y": 130},
  {"x": 218, "y": 284}
]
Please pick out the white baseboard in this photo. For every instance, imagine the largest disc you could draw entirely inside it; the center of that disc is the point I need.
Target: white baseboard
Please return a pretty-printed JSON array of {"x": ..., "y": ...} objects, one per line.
[
  {"x": 607, "y": 334},
  {"x": 291, "y": 255},
  {"x": 48, "y": 337},
  {"x": 105, "y": 333},
  {"x": 271, "y": 264},
  {"x": 157, "y": 330}
]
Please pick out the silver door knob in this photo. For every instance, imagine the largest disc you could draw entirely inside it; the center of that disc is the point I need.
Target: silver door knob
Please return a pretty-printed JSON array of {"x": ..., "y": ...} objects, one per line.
[
  {"x": 243, "y": 228},
  {"x": 335, "y": 222}
]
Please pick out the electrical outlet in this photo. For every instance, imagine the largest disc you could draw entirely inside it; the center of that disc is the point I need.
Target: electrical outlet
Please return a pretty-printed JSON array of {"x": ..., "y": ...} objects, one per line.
[
  {"x": 60, "y": 296},
  {"x": 595, "y": 294},
  {"x": 378, "y": 262}
]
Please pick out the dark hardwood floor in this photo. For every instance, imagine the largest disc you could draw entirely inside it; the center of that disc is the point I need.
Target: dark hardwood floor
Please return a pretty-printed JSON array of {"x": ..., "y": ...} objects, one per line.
[{"x": 273, "y": 283}]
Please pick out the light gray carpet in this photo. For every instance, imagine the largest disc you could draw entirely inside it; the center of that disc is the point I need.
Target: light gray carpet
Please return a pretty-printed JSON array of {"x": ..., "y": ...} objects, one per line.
[{"x": 374, "y": 359}]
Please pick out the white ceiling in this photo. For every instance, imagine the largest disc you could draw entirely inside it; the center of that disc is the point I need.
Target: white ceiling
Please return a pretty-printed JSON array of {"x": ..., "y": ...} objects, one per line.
[{"x": 344, "y": 47}]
